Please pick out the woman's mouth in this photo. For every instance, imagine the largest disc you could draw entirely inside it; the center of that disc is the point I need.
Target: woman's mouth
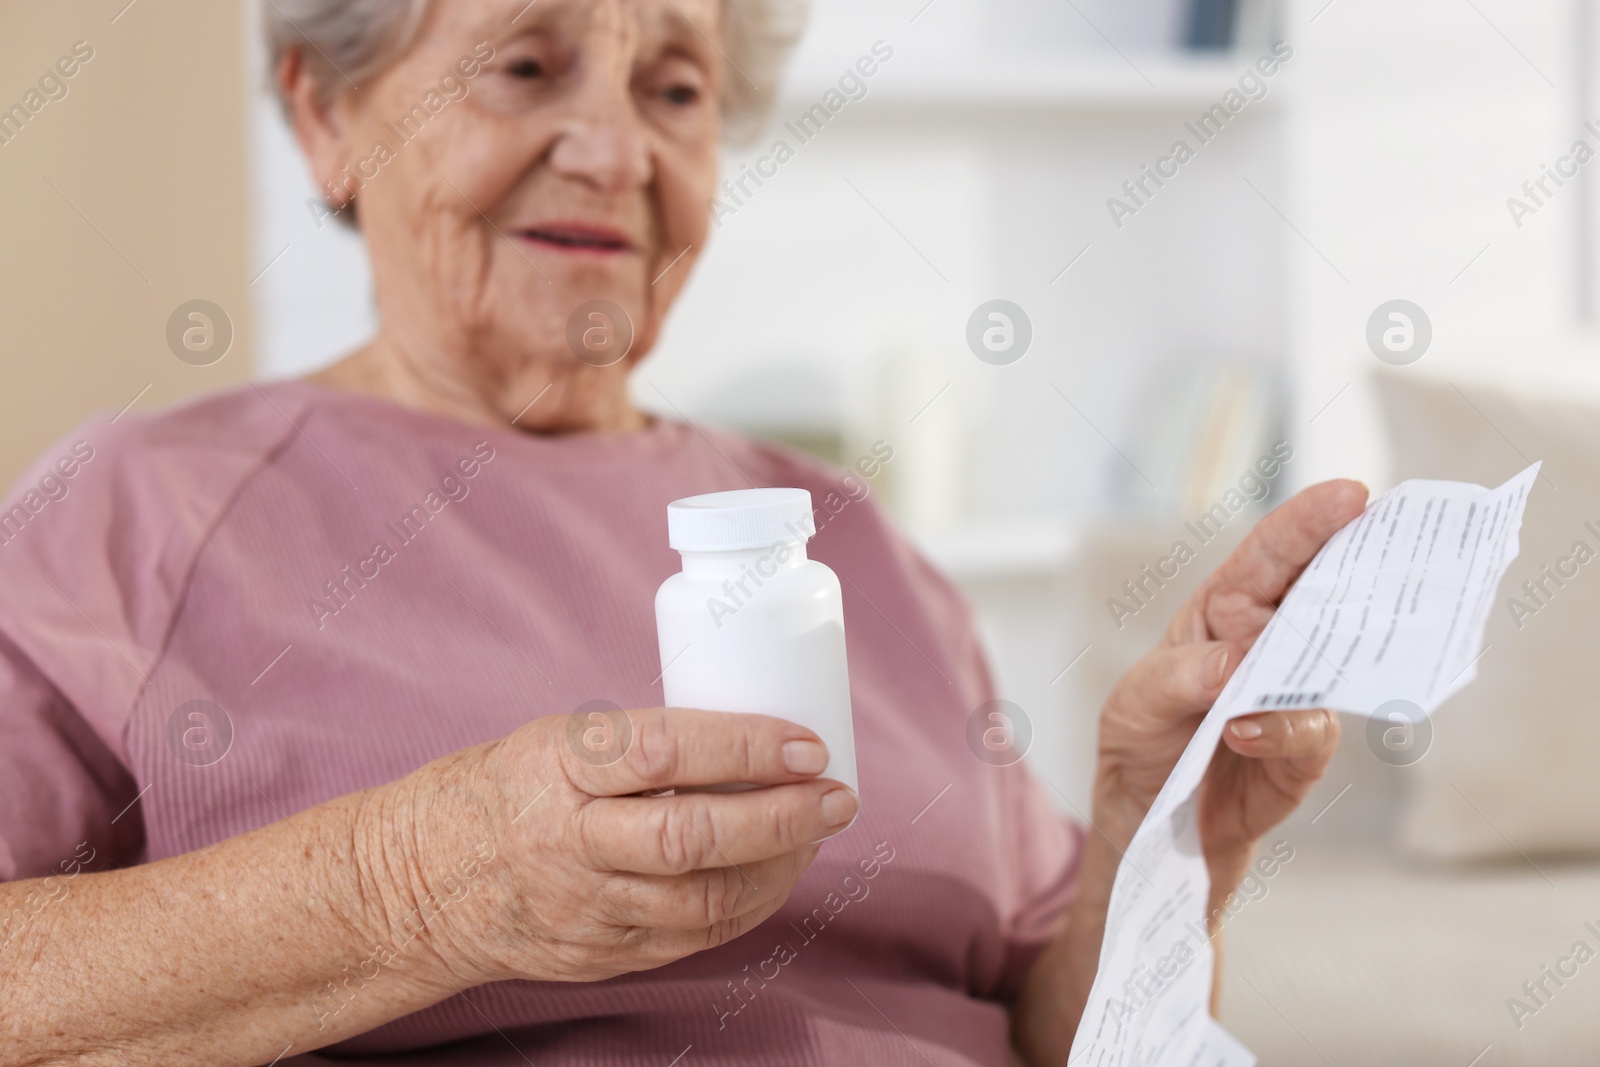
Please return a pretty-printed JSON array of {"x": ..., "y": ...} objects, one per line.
[{"x": 578, "y": 237}]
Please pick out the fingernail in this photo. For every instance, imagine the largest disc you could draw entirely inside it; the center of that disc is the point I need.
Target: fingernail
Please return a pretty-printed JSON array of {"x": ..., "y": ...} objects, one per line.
[
  {"x": 1219, "y": 665},
  {"x": 804, "y": 757},
  {"x": 1244, "y": 729},
  {"x": 839, "y": 806}
]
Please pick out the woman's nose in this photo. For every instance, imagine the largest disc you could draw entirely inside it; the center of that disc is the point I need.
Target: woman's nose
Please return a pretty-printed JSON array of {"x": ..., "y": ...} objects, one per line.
[{"x": 603, "y": 143}]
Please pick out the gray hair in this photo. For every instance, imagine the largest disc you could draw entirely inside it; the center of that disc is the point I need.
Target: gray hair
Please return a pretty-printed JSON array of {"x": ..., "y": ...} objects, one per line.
[{"x": 345, "y": 42}]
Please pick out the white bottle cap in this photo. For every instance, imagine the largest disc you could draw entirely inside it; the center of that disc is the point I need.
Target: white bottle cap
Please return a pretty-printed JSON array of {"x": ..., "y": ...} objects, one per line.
[{"x": 740, "y": 519}]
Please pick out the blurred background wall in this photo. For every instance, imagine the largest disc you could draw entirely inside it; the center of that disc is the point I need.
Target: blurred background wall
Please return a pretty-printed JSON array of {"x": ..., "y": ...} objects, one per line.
[{"x": 126, "y": 197}]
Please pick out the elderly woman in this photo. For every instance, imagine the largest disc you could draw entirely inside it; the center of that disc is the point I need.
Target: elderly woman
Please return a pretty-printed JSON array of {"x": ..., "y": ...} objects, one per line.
[{"x": 287, "y": 680}]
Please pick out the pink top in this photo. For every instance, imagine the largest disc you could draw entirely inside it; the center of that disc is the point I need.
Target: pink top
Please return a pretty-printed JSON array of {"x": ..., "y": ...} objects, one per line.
[{"x": 354, "y": 589}]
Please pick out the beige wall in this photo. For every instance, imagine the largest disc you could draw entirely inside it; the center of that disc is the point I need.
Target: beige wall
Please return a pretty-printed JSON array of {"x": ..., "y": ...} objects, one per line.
[{"x": 149, "y": 146}]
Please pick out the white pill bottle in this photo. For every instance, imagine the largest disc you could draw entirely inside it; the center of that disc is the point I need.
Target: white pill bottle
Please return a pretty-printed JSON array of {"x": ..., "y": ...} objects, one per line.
[{"x": 752, "y": 625}]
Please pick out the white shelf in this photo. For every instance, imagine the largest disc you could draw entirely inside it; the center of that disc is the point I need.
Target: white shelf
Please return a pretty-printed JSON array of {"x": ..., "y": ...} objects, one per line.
[
  {"x": 1144, "y": 82},
  {"x": 998, "y": 549}
]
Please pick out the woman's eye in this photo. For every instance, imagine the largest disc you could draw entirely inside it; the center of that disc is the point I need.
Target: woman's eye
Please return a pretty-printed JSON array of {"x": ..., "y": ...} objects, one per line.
[
  {"x": 682, "y": 95},
  {"x": 525, "y": 68}
]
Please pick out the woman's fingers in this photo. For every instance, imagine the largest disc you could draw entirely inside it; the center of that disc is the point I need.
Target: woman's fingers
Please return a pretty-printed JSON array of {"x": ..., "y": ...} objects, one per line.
[
  {"x": 703, "y": 899},
  {"x": 692, "y": 831},
  {"x": 1277, "y": 549},
  {"x": 1311, "y": 734},
  {"x": 667, "y": 748},
  {"x": 1238, "y": 597},
  {"x": 626, "y": 875},
  {"x": 1174, "y": 682}
]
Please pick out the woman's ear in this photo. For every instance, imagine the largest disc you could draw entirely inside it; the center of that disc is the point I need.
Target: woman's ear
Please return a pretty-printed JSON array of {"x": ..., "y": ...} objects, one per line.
[{"x": 319, "y": 128}]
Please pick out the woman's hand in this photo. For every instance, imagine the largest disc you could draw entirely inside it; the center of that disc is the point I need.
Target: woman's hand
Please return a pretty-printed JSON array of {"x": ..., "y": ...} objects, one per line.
[
  {"x": 1262, "y": 771},
  {"x": 1267, "y": 762},
  {"x": 590, "y": 877},
  {"x": 524, "y": 858}
]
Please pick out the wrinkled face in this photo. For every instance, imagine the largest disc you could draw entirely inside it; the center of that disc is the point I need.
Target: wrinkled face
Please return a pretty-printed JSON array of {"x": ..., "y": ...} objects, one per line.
[{"x": 523, "y": 160}]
